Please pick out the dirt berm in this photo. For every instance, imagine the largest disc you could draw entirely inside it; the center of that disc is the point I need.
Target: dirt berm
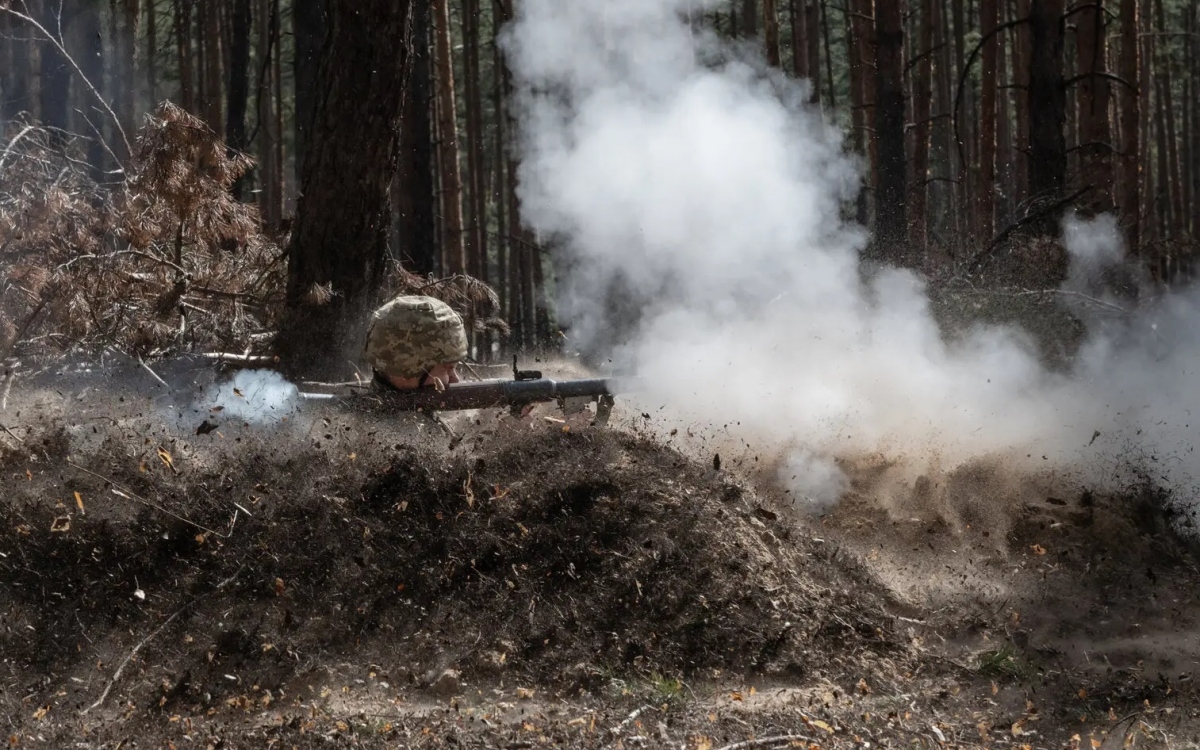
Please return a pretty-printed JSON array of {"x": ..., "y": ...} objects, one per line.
[{"x": 181, "y": 578}]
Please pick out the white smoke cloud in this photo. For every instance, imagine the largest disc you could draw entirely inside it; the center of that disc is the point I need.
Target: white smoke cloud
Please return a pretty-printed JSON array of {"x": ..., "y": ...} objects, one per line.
[
  {"x": 666, "y": 161},
  {"x": 258, "y": 397}
]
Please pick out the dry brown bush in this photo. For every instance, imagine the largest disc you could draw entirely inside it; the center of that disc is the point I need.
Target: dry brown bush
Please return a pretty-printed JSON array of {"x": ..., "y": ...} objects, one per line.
[{"x": 167, "y": 261}]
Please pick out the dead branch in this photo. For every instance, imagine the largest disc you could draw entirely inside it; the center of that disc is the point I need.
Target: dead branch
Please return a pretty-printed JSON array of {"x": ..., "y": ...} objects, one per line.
[
  {"x": 129, "y": 657},
  {"x": 777, "y": 740}
]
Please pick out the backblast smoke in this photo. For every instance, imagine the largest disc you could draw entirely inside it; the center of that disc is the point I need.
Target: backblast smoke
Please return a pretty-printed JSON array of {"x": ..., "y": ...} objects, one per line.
[{"x": 682, "y": 177}]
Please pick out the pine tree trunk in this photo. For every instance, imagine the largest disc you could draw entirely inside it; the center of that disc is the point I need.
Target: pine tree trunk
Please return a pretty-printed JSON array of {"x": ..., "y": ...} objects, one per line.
[
  {"x": 749, "y": 18},
  {"x": 213, "y": 76},
  {"x": 1047, "y": 101},
  {"x": 265, "y": 125},
  {"x": 771, "y": 32},
  {"x": 85, "y": 43},
  {"x": 500, "y": 158},
  {"x": 1022, "y": 54},
  {"x": 922, "y": 111},
  {"x": 416, "y": 221},
  {"x": 1094, "y": 137},
  {"x": 800, "y": 32},
  {"x": 476, "y": 235},
  {"x": 1004, "y": 142},
  {"x": 183, "y": 51},
  {"x": 152, "y": 52},
  {"x": 341, "y": 231},
  {"x": 277, "y": 80},
  {"x": 986, "y": 195},
  {"x": 813, "y": 48},
  {"x": 857, "y": 100},
  {"x": 238, "y": 91},
  {"x": 54, "y": 83},
  {"x": 18, "y": 76},
  {"x": 453, "y": 249},
  {"x": 310, "y": 22},
  {"x": 891, "y": 194},
  {"x": 1165, "y": 78},
  {"x": 126, "y": 93}
]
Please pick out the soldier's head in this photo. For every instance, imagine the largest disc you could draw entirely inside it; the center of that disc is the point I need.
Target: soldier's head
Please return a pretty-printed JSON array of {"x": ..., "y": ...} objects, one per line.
[{"x": 416, "y": 341}]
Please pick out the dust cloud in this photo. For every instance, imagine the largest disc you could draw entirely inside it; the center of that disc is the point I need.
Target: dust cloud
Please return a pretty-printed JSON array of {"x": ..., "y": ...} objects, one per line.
[{"x": 698, "y": 205}]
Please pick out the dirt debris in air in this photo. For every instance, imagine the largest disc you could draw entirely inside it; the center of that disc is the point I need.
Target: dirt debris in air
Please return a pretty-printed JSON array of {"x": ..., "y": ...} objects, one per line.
[{"x": 339, "y": 580}]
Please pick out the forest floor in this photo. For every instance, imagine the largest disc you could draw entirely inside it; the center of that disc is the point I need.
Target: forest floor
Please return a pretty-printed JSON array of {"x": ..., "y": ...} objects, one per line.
[{"x": 174, "y": 574}]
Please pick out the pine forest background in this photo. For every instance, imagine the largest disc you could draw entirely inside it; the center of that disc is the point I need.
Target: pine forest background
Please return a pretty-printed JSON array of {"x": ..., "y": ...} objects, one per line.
[{"x": 980, "y": 121}]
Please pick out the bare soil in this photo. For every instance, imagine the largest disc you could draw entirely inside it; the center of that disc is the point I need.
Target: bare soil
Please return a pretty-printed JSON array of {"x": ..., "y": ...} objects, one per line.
[{"x": 171, "y": 576}]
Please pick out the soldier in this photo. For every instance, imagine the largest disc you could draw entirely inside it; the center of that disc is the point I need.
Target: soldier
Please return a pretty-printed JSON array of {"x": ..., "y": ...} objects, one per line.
[{"x": 416, "y": 342}]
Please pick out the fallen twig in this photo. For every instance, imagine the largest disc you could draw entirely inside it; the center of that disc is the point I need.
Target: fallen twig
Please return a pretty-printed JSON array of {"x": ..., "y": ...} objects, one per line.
[
  {"x": 630, "y": 719},
  {"x": 9, "y": 376},
  {"x": 129, "y": 494},
  {"x": 243, "y": 358},
  {"x": 129, "y": 657},
  {"x": 768, "y": 741},
  {"x": 153, "y": 374},
  {"x": 10, "y": 432}
]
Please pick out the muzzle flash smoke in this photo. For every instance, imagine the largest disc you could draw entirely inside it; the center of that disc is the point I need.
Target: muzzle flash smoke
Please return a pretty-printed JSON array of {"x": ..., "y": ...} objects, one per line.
[{"x": 660, "y": 156}]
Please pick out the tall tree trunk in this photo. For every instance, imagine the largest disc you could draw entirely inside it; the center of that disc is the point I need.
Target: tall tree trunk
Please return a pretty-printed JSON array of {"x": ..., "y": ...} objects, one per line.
[
  {"x": 499, "y": 194},
  {"x": 1005, "y": 153},
  {"x": 828, "y": 53},
  {"x": 800, "y": 32},
  {"x": 1166, "y": 79},
  {"x": 1193, "y": 131},
  {"x": 125, "y": 95},
  {"x": 857, "y": 95},
  {"x": 771, "y": 32},
  {"x": 986, "y": 195},
  {"x": 922, "y": 111},
  {"x": 183, "y": 50},
  {"x": 453, "y": 248},
  {"x": 1094, "y": 138},
  {"x": 476, "y": 235},
  {"x": 18, "y": 75},
  {"x": 152, "y": 52},
  {"x": 964, "y": 185},
  {"x": 212, "y": 68},
  {"x": 341, "y": 232},
  {"x": 265, "y": 118},
  {"x": 238, "y": 89},
  {"x": 812, "y": 48},
  {"x": 1021, "y": 56},
  {"x": 310, "y": 23},
  {"x": 891, "y": 194},
  {"x": 54, "y": 84},
  {"x": 277, "y": 80},
  {"x": 416, "y": 222},
  {"x": 749, "y": 18},
  {"x": 1047, "y": 101},
  {"x": 1163, "y": 200},
  {"x": 85, "y": 43}
]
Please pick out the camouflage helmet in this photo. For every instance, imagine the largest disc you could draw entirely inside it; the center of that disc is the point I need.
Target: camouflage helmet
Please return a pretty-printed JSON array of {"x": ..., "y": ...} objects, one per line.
[{"x": 411, "y": 334}]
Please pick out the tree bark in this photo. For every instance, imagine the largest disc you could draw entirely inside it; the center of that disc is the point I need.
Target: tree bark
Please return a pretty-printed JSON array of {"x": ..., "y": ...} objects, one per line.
[
  {"x": 749, "y": 18},
  {"x": 453, "y": 247},
  {"x": 183, "y": 50},
  {"x": 265, "y": 119},
  {"x": 890, "y": 203},
  {"x": 238, "y": 90},
  {"x": 18, "y": 75},
  {"x": 152, "y": 52},
  {"x": 1022, "y": 54},
  {"x": 341, "y": 231},
  {"x": 922, "y": 110},
  {"x": 1047, "y": 101},
  {"x": 771, "y": 32},
  {"x": 54, "y": 86},
  {"x": 813, "y": 50},
  {"x": 1166, "y": 78},
  {"x": 986, "y": 190},
  {"x": 477, "y": 197},
  {"x": 310, "y": 22},
  {"x": 126, "y": 93},
  {"x": 800, "y": 31},
  {"x": 416, "y": 221},
  {"x": 1095, "y": 139}
]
